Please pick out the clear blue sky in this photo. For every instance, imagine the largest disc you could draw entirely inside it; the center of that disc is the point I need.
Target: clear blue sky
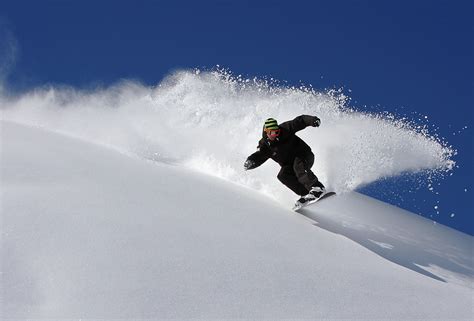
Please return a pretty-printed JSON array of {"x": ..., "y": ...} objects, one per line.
[{"x": 404, "y": 57}]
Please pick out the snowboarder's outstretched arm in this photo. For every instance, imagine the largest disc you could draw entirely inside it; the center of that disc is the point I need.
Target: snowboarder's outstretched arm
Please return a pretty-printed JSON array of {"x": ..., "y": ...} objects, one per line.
[
  {"x": 301, "y": 122},
  {"x": 257, "y": 158}
]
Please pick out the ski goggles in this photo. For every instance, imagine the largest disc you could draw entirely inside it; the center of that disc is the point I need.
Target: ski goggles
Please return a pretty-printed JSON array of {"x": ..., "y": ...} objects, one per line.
[{"x": 272, "y": 132}]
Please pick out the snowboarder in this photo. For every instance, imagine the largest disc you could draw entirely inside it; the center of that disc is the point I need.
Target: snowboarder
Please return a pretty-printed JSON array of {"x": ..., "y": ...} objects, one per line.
[{"x": 295, "y": 157}]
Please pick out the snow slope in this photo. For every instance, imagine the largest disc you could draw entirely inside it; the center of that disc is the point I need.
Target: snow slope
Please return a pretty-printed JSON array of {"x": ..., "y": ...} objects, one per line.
[{"x": 88, "y": 232}]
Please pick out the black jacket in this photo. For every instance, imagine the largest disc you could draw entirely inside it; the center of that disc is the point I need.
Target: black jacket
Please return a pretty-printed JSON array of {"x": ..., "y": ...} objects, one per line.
[{"x": 286, "y": 147}]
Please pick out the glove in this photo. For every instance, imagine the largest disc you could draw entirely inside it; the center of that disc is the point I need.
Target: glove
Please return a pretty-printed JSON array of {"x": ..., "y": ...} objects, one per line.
[
  {"x": 316, "y": 122},
  {"x": 249, "y": 164}
]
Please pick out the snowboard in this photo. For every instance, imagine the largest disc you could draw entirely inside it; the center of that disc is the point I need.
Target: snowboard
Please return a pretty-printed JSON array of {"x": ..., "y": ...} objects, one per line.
[{"x": 325, "y": 195}]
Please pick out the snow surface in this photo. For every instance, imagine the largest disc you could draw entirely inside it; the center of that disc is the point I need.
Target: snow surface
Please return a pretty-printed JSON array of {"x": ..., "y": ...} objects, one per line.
[
  {"x": 130, "y": 202},
  {"x": 88, "y": 232}
]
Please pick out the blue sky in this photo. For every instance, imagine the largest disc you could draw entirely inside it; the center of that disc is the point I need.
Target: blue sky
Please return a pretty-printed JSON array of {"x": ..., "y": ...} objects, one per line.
[{"x": 406, "y": 57}]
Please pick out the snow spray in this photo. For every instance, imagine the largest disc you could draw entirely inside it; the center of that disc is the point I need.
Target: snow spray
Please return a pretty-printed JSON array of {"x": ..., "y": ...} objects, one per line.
[{"x": 210, "y": 121}]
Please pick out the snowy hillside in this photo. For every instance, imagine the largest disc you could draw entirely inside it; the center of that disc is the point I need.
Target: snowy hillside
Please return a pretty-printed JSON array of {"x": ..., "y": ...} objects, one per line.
[{"x": 89, "y": 232}]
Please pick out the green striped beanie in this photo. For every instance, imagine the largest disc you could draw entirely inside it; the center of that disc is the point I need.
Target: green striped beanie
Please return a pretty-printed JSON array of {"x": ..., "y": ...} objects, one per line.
[{"x": 271, "y": 123}]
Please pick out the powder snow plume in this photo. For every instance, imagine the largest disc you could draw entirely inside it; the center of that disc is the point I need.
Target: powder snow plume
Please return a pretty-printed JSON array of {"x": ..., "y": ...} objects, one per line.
[{"x": 211, "y": 121}]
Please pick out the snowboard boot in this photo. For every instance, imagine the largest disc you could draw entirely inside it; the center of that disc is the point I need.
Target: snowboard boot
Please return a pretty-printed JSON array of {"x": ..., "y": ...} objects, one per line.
[
  {"x": 316, "y": 191},
  {"x": 313, "y": 195},
  {"x": 305, "y": 200}
]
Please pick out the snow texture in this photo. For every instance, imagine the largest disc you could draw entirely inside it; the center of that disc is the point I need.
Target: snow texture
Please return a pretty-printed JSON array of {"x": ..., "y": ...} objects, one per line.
[
  {"x": 88, "y": 232},
  {"x": 131, "y": 202}
]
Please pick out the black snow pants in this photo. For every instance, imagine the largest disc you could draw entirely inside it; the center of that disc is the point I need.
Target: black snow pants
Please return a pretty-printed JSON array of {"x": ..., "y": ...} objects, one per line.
[{"x": 298, "y": 176}]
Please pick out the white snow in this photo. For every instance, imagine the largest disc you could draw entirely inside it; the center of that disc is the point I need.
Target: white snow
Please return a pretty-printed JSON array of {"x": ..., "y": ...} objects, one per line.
[
  {"x": 88, "y": 232},
  {"x": 131, "y": 202}
]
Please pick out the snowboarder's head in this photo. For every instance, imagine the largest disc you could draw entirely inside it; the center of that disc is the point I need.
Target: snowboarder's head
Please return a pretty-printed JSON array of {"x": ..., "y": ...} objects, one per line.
[{"x": 271, "y": 128}]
